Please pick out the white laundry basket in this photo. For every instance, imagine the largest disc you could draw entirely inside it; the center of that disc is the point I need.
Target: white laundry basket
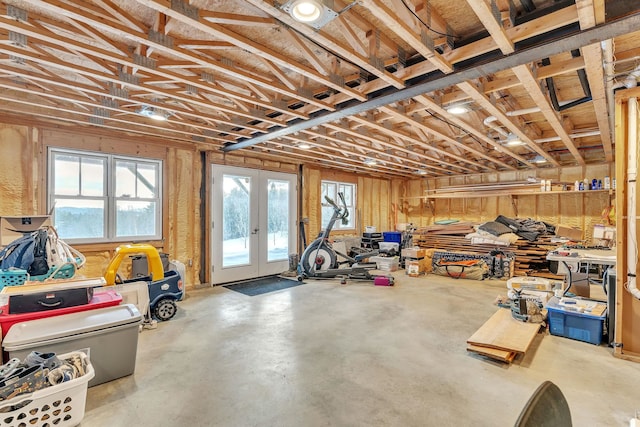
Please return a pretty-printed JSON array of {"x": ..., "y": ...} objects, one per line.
[{"x": 58, "y": 405}]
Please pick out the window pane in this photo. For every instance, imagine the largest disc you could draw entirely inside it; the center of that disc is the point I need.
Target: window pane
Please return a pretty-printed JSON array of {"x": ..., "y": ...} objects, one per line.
[
  {"x": 147, "y": 180},
  {"x": 278, "y": 220},
  {"x": 79, "y": 219},
  {"x": 135, "y": 218},
  {"x": 332, "y": 188},
  {"x": 92, "y": 178},
  {"x": 137, "y": 180},
  {"x": 125, "y": 179},
  {"x": 87, "y": 207},
  {"x": 347, "y": 190},
  {"x": 67, "y": 175},
  {"x": 350, "y": 221}
]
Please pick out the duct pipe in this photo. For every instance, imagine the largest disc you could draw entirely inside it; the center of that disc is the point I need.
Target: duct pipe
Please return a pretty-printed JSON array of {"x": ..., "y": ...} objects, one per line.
[
  {"x": 523, "y": 111},
  {"x": 489, "y": 123},
  {"x": 632, "y": 79},
  {"x": 632, "y": 172},
  {"x": 571, "y": 135}
]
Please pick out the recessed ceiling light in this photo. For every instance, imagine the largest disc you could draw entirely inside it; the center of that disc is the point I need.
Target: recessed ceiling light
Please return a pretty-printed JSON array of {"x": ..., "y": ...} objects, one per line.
[
  {"x": 153, "y": 113},
  {"x": 457, "y": 109},
  {"x": 306, "y": 10},
  {"x": 311, "y": 12}
]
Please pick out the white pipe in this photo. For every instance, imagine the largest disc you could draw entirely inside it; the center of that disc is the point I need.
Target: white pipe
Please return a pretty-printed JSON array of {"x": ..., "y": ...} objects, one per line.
[
  {"x": 632, "y": 172},
  {"x": 489, "y": 122},
  {"x": 523, "y": 111},
  {"x": 571, "y": 135}
]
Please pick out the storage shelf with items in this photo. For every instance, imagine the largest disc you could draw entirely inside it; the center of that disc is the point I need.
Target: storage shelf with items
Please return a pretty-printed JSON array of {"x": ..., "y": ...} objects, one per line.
[{"x": 514, "y": 193}]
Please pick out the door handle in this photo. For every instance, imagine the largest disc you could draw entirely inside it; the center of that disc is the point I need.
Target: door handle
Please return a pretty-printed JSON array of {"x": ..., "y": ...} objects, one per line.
[{"x": 255, "y": 231}]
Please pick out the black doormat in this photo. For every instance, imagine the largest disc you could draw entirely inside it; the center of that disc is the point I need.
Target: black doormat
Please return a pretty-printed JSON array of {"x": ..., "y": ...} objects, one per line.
[{"x": 263, "y": 285}]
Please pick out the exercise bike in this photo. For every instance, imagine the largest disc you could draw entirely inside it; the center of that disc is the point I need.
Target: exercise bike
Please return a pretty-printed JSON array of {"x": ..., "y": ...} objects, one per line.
[{"x": 320, "y": 260}]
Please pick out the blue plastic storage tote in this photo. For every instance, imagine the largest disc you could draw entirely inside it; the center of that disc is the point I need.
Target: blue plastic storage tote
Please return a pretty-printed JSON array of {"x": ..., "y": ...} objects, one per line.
[{"x": 565, "y": 322}]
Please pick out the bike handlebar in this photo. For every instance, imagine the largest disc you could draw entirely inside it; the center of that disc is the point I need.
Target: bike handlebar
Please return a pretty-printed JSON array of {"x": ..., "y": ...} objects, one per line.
[
  {"x": 331, "y": 202},
  {"x": 342, "y": 213}
]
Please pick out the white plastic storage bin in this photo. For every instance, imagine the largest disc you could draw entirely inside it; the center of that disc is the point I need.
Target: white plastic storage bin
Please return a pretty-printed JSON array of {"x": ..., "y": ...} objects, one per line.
[
  {"x": 110, "y": 333},
  {"x": 386, "y": 263},
  {"x": 58, "y": 405}
]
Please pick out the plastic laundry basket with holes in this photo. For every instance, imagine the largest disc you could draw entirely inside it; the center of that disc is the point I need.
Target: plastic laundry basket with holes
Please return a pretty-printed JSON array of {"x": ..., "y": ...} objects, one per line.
[{"x": 57, "y": 405}]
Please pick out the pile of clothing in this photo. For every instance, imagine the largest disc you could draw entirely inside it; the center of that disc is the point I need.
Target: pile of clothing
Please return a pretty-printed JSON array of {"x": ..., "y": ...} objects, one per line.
[{"x": 39, "y": 370}]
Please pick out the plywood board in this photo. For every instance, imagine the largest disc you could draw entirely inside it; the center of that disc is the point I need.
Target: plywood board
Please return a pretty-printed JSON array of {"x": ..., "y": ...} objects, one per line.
[
  {"x": 503, "y": 332},
  {"x": 493, "y": 353}
]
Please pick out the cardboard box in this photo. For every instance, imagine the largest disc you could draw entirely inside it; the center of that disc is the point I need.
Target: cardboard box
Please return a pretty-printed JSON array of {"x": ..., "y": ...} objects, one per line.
[
  {"x": 417, "y": 267},
  {"x": 572, "y": 233},
  {"x": 414, "y": 252},
  {"x": 14, "y": 227}
]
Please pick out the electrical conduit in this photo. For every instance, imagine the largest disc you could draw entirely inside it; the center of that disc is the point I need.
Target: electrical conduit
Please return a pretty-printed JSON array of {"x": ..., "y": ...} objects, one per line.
[{"x": 632, "y": 171}]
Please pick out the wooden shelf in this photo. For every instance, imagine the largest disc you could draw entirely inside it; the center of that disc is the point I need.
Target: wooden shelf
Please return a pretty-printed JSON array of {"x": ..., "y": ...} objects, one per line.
[
  {"x": 467, "y": 195},
  {"x": 512, "y": 194}
]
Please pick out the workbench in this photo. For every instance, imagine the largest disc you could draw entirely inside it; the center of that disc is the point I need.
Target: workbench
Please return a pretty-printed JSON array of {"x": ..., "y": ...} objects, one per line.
[{"x": 572, "y": 261}]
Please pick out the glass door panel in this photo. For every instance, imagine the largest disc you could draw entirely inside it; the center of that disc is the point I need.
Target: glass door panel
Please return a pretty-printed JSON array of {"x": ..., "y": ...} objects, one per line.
[
  {"x": 236, "y": 206},
  {"x": 278, "y": 220}
]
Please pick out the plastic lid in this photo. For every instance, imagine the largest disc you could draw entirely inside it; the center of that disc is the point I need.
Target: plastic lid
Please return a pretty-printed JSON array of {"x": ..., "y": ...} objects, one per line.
[{"x": 69, "y": 325}]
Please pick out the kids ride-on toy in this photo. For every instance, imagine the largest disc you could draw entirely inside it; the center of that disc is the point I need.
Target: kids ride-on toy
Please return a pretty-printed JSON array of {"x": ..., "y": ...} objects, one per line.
[{"x": 165, "y": 287}]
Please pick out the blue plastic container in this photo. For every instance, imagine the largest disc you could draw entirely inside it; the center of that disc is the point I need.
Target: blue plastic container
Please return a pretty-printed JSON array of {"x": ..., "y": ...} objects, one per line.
[
  {"x": 392, "y": 236},
  {"x": 575, "y": 325}
]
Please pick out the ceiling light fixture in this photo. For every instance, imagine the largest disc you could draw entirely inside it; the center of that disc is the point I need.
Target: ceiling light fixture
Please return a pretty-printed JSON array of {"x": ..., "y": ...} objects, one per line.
[
  {"x": 370, "y": 162},
  {"x": 539, "y": 159},
  {"x": 513, "y": 140},
  {"x": 457, "y": 109},
  {"x": 421, "y": 172},
  {"x": 304, "y": 146},
  {"x": 153, "y": 113},
  {"x": 311, "y": 12}
]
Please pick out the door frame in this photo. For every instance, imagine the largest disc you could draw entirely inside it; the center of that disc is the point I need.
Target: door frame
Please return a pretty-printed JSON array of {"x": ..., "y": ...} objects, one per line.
[{"x": 259, "y": 177}]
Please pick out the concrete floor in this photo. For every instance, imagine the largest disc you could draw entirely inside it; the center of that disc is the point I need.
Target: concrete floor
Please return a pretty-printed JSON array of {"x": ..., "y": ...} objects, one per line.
[{"x": 325, "y": 354}]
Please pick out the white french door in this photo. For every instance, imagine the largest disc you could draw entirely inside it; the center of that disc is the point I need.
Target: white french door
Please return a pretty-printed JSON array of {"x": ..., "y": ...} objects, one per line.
[{"x": 254, "y": 223}]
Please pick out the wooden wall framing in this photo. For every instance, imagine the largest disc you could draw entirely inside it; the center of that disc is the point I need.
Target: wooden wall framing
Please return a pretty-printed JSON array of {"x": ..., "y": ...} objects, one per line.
[
  {"x": 627, "y": 319},
  {"x": 23, "y": 185},
  {"x": 577, "y": 209}
]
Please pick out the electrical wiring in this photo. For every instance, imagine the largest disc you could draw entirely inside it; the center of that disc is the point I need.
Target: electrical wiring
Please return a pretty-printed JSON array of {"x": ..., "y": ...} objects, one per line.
[
  {"x": 425, "y": 24},
  {"x": 455, "y": 126},
  {"x": 342, "y": 58}
]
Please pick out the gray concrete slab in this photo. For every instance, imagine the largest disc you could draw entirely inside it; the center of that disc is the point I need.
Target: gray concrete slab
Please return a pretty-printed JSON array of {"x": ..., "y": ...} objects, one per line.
[{"x": 326, "y": 354}]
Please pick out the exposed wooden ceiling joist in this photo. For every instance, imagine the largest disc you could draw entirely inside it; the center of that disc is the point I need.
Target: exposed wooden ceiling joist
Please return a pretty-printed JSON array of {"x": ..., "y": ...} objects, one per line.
[{"x": 375, "y": 82}]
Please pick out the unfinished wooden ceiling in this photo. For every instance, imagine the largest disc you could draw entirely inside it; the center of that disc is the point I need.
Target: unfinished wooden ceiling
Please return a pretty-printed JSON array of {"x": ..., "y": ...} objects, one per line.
[{"x": 372, "y": 85}]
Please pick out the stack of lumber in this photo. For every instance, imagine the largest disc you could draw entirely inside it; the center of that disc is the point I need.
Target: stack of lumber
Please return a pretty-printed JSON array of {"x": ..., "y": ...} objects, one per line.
[
  {"x": 502, "y": 337},
  {"x": 530, "y": 257}
]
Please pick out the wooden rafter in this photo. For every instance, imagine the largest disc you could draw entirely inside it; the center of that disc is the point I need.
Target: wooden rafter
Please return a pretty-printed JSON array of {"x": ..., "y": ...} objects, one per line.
[
  {"x": 531, "y": 84},
  {"x": 591, "y": 13},
  {"x": 330, "y": 43},
  {"x": 143, "y": 38},
  {"x": 226, "y": 34}
]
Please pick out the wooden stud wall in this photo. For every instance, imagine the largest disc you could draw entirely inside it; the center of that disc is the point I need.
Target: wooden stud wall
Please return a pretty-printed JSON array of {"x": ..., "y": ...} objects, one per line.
[
  {"x": 23, "y": 191},
  {"x": 627, "y": 320},
  {"x": 578, "y": 209},
  {"x": 374, "y": 201}
]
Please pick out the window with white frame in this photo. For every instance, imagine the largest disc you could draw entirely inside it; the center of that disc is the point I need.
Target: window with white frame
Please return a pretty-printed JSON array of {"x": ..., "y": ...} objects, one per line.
[
  {"x": 331, "y": 189},
  {"x": 98, "y": 197}
]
